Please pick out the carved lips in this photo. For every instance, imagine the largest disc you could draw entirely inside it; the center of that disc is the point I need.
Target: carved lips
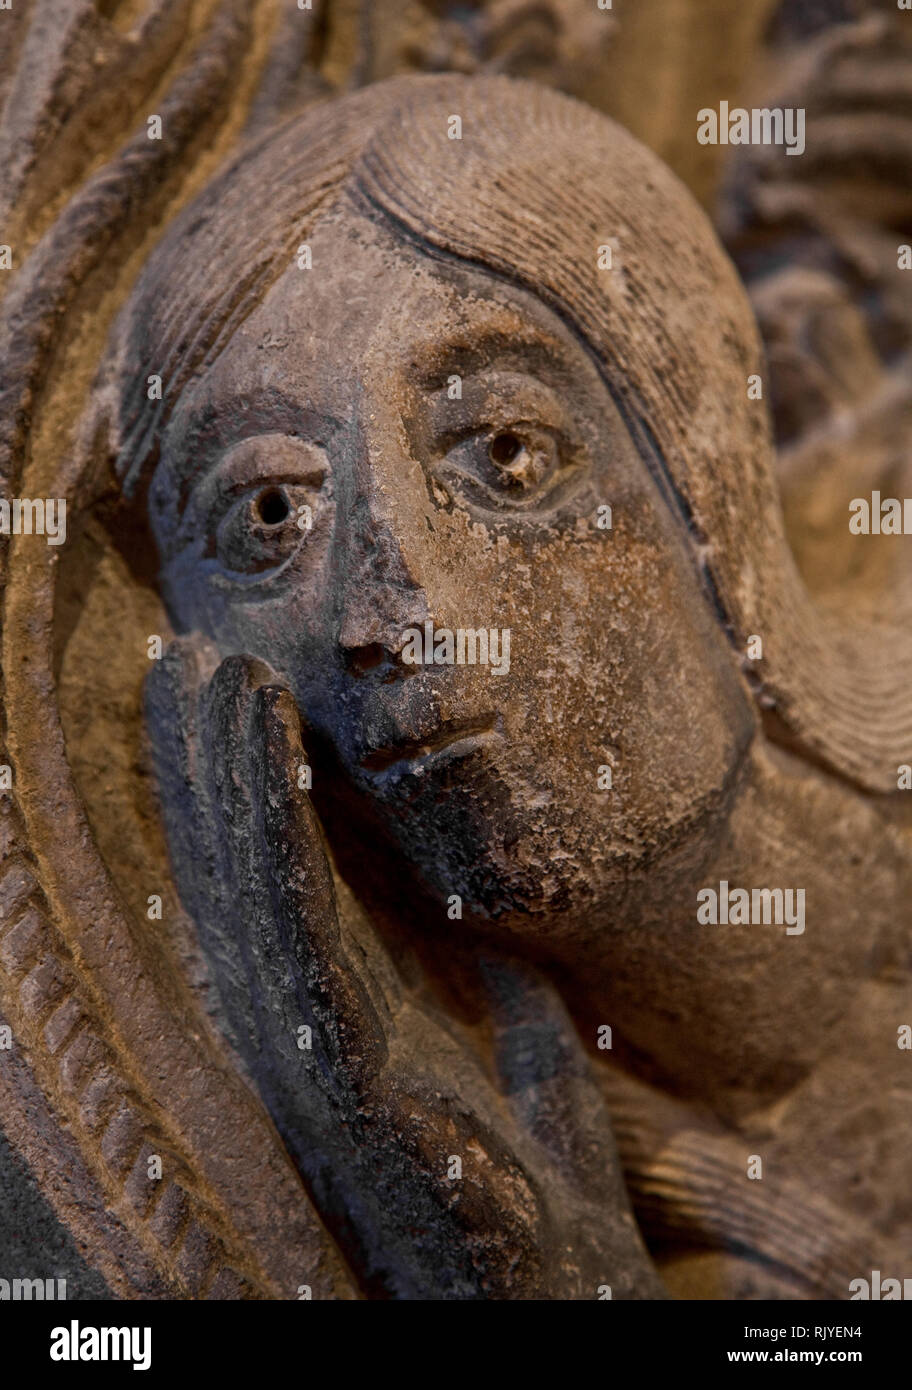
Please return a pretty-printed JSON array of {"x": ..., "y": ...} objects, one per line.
[{"x": 419, "y": 755}]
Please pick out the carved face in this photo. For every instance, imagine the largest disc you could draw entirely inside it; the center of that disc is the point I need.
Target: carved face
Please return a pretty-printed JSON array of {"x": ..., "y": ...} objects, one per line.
[{"x": 393, "y": 444}]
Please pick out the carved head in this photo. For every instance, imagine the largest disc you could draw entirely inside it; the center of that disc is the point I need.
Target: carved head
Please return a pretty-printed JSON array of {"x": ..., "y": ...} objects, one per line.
[{"x": 401, "y": 386}]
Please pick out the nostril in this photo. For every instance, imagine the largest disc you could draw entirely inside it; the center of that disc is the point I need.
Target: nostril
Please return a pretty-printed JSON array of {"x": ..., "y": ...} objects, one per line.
[
  {"x": 361, "y": 659},
  {"x": 374, "y": 656}
]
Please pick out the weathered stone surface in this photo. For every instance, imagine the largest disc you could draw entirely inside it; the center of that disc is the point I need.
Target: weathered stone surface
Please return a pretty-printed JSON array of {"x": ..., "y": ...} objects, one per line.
[{"x": 165, "y": 1121}]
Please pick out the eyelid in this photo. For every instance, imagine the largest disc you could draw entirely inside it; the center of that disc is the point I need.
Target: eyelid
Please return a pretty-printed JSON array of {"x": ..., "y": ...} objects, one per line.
[
  {"x": 312, "y": 480},
  {"x": 238, "y": 469},
  {"x": 448, "y": 439},
  {"x": 293, "y": 430}
]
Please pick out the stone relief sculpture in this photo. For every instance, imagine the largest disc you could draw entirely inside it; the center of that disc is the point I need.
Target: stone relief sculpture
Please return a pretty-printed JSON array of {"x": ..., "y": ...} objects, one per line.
[{"x": 456, "y": 842}]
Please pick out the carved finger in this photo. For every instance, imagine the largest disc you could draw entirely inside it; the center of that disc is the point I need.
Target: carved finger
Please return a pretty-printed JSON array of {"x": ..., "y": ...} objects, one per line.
[
  {"x": 304, "y": 894},
  {"x": 544, "y": 1071},
  {"x": 307, "y": 996},
  {"x": 202, "y": 871}
]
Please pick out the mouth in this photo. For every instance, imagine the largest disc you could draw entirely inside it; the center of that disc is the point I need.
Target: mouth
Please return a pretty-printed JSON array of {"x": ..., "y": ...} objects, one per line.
[{"x": 418, "y": 756}]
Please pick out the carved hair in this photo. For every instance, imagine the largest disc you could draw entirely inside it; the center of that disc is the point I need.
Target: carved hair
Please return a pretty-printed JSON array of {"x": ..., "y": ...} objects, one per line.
[{"x": 535, "y": 186}]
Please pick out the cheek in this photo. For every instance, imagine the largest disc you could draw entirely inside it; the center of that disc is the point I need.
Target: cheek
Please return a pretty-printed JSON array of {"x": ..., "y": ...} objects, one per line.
[
  {"x": 282, "y": 620},
  {"x": 278, "y": 630},
  {"x": 679, "y": 717},
  {"x": 618, "y": 662}
]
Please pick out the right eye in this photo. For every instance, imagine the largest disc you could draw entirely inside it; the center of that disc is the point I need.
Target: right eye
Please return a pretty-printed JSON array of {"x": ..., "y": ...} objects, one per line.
[
  {"x": 263, "y": 527},
  {"x": 272, "y": 506}
]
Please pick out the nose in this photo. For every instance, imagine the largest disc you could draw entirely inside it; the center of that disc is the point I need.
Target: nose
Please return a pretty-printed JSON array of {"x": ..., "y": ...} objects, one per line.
[{"x": 380, "y": 601}]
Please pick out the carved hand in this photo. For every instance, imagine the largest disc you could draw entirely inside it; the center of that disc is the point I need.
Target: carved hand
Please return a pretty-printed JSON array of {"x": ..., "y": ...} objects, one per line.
[{"x": 385, "y": 1097}]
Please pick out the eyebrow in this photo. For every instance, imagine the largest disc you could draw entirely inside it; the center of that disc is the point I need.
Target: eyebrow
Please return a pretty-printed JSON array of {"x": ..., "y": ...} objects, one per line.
[{"x": 473, "y": 354}]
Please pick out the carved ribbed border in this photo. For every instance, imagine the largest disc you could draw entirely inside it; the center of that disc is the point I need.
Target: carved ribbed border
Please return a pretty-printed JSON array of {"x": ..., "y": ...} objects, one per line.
[
  {"x": 94, "y": 1084},
  {"x": 77, "y": 1065}
]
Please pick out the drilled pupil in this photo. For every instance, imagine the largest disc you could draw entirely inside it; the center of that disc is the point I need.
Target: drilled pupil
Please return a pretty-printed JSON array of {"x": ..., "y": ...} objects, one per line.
[
  {"x": 504, "y": 448},
  {"x": 272, "y": 507}
]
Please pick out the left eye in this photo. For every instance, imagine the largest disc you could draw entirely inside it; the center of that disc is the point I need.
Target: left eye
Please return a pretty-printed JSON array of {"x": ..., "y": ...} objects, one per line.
[
  {"x": 262, "y": 529},
  {"x": 518, "y": 464},
  {"x": 510, "y": 467}
]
